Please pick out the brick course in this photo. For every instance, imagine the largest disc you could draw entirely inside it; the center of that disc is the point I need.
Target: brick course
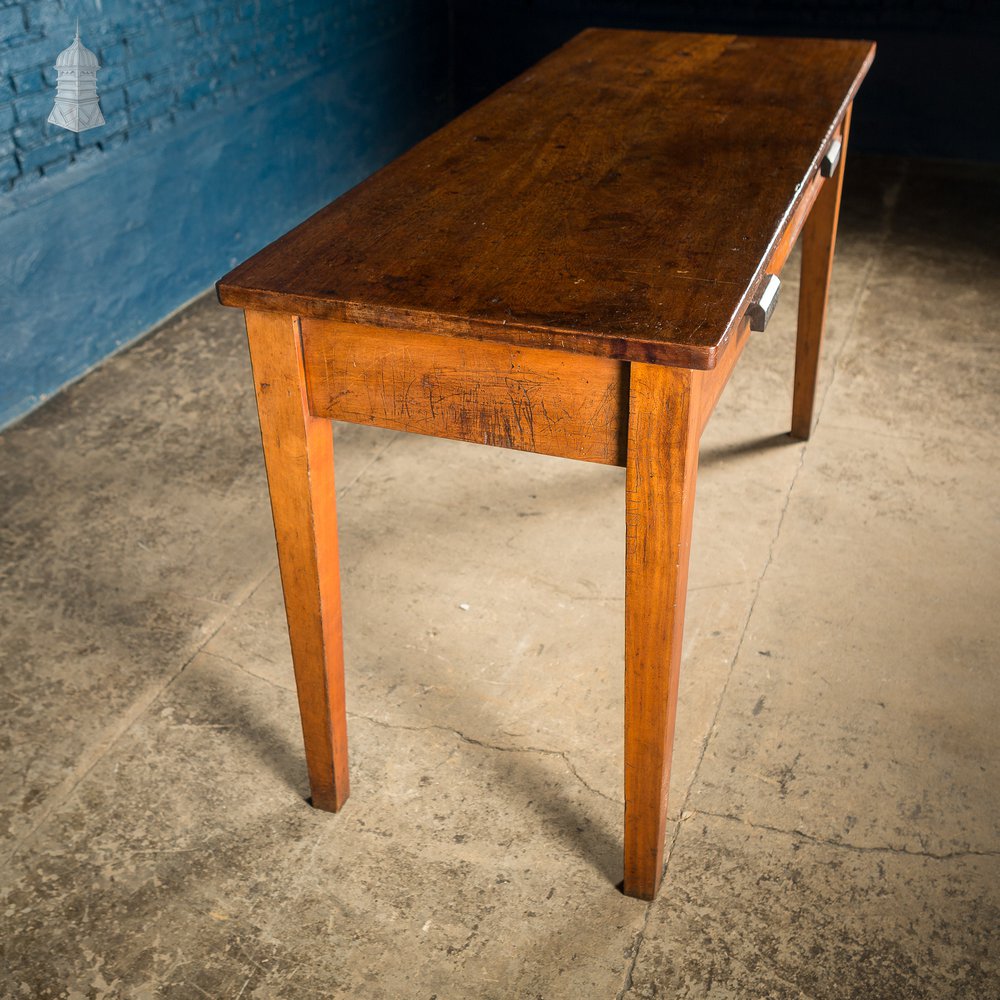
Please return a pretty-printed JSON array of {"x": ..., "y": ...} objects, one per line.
[{"x": 161, "y": 61}]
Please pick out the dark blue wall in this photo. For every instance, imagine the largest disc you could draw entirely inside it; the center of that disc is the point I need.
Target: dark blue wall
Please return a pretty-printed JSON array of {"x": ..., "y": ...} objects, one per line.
[{"x": 227, "y": 123}]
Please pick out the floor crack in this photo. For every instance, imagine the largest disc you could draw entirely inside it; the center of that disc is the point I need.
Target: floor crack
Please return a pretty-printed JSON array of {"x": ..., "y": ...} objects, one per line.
[
  {"x": 561, "y": 754},
  {"x": 637, "y": 941},
  {"x": 844, "y": 845},
  {"x": 246, "y": 670}
]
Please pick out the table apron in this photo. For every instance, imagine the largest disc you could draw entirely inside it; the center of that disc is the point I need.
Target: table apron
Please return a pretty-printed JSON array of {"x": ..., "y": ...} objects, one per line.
[{"x": 529, "y": 399}]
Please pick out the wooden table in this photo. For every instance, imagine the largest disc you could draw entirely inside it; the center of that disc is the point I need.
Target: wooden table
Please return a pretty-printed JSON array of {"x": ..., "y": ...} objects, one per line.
[{"x": 571, "y": 267}]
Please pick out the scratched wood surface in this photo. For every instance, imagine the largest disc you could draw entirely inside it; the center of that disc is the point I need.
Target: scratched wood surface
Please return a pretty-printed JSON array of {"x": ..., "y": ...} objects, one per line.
[
  {"x": 550, "y": 402},
  {"x": 619, "y": 199}
]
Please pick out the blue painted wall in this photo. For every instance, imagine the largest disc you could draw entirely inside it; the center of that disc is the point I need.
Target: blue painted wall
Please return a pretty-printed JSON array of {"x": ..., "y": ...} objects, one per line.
[{"x": 228, "y": 121}]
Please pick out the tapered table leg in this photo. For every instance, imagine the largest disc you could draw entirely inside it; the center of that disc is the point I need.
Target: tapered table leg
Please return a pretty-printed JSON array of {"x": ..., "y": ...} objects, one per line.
[
  {"x": 663, "y": 433},
  {"x": 819, "y": 234},
  {"x": 298, "y": 453}
]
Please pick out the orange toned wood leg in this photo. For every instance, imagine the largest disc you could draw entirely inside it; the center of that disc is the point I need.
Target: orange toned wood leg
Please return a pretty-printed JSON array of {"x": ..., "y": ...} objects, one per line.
[
  {"x": 819, "y": 234},
  {"x": 298, "y": 453},
  {"x": 662, "y": 463}
]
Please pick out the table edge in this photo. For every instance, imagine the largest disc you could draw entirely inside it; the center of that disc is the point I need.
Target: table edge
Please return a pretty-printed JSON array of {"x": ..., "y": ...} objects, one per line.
[{"x": 571, "y": 339}]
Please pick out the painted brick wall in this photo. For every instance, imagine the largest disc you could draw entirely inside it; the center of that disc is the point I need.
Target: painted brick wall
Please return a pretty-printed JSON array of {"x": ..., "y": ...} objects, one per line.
[
  {"x": 162, "y": 60},
  {"x": 228, "y": 121}
]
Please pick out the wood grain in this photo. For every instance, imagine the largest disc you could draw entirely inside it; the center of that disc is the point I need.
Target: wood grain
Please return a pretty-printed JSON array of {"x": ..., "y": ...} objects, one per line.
[
  {"x": 664, "y": 430},
  {"x": 819, "y": 236},
  {"x": 298, "y": 453},
  {"x": 619, "y": 199},
  {"x": 549, "y": 402}
]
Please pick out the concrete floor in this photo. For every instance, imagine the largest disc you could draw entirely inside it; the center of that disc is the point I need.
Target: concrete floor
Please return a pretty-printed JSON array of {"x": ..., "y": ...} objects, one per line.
[{"x": 835, "y": 828}]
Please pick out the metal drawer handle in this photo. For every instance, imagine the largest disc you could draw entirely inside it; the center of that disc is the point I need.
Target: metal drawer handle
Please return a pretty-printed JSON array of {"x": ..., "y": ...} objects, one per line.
[
  {"x": 760, "y": 311},
  {"x": 832, "y": 158}
]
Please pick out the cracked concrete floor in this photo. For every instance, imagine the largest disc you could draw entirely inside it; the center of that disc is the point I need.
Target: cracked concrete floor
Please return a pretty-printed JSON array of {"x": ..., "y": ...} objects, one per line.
[{"x": 834, "y": 817}]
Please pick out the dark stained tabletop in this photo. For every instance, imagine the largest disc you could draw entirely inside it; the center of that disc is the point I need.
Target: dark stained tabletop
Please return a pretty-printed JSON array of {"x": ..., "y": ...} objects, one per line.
[{"x": 620, "y": 198}]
